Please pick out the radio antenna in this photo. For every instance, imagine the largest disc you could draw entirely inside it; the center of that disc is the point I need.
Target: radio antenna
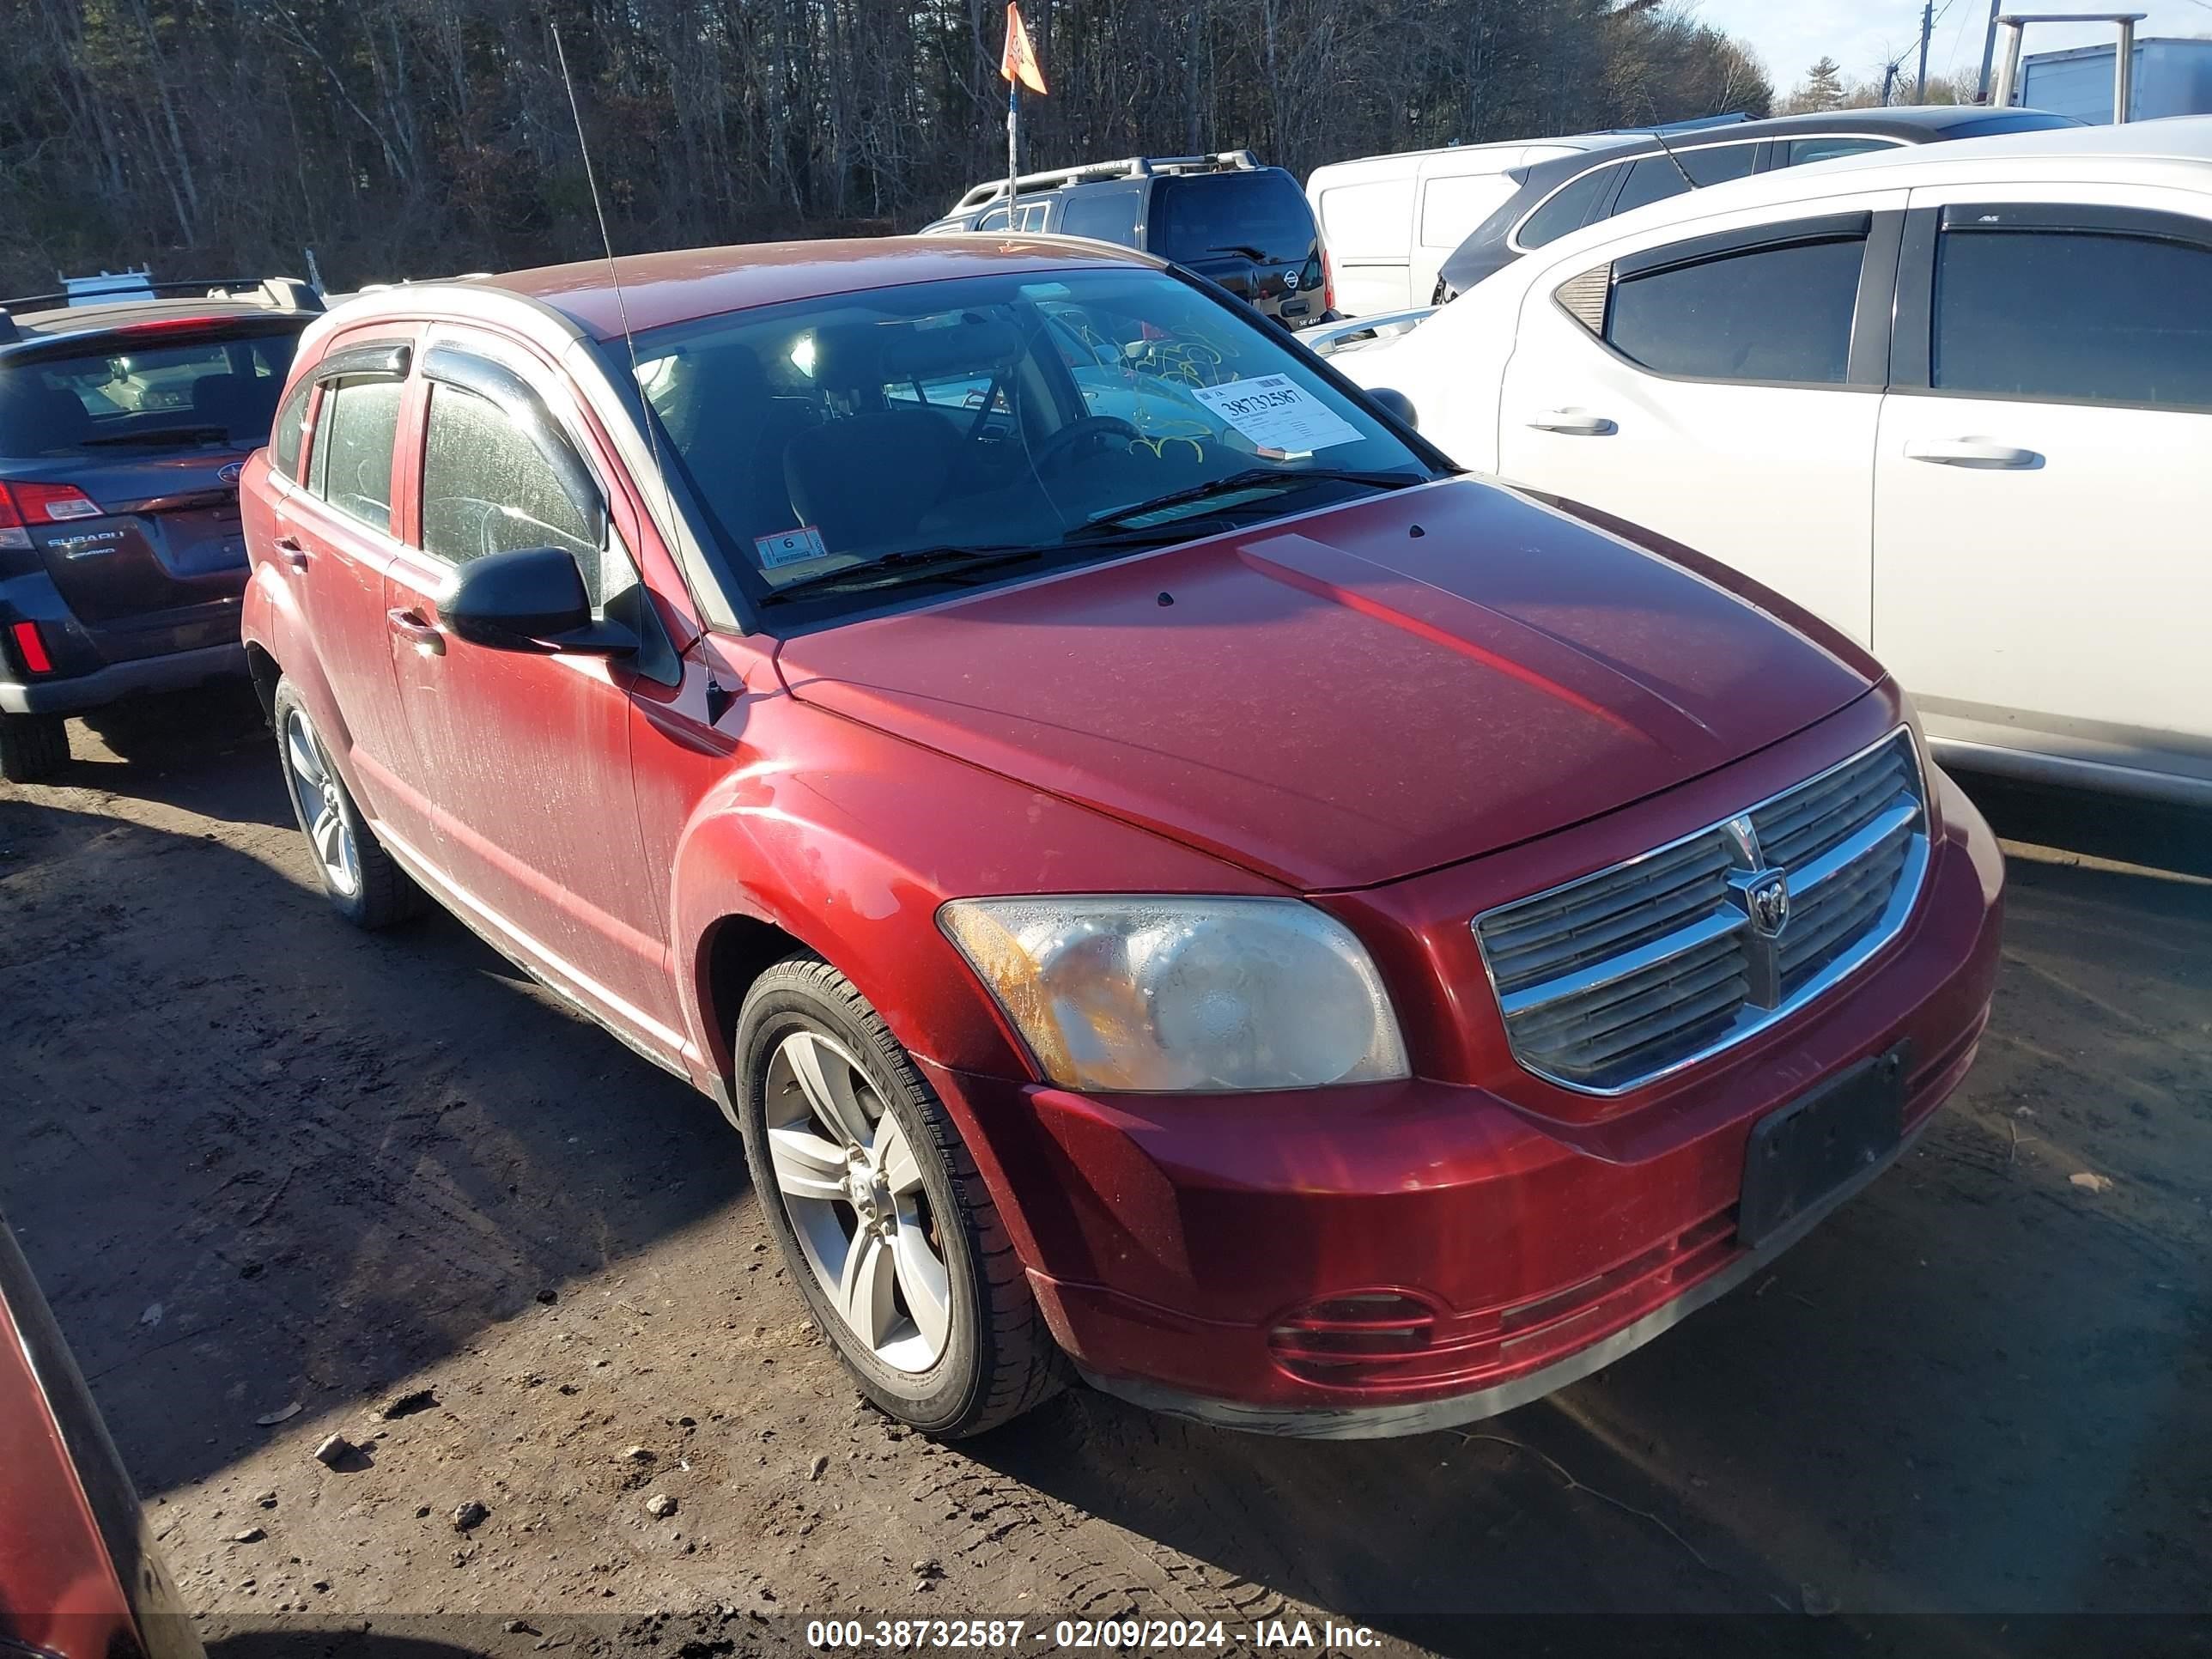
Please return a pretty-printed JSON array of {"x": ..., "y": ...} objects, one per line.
[
  {"x": 1663, "y": 145},
  {"x": 614, "y": 276}
]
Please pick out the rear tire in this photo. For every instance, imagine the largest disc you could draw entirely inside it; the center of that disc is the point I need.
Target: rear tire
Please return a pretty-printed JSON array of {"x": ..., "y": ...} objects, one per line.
[
  {"x": 991, "y": 1358},
  {"x": 360, "y": 879},
  {"x": 33, "y": 747}
]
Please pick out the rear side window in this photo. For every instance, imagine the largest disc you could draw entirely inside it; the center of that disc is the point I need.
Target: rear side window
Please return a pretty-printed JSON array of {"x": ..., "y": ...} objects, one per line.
[
  {"x": 1568, "y": 208},
  {"x": 1028, "y": 215},
  {"x": 487, "y": 488},
  {"x": 1105, "y": 215},
  {"x": 1264, "y": 211},
  {"x": 1771, "y": 314},
  {"x": 291, "y": 422},
  {"x": 1656, "y": 177},
  {"x": 353, "y": 449},
  {"x": 2081, "y": 315},
  {"x": 1798, "y": 151}
]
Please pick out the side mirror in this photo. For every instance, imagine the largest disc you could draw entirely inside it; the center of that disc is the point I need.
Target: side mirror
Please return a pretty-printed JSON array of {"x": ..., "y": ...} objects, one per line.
[
  {"x": 530, "y": 600},
  {"x": 1396, "y": 404}
]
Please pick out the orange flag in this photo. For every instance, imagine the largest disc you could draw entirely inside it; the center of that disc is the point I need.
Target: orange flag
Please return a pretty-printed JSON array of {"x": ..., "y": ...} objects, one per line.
[{"x": 1019, "y": 62}]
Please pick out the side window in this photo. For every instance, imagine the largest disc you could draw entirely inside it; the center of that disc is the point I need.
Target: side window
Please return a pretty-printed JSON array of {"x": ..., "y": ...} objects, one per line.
[
  {"x": 1110, "y": 216},
  {"x": 1798, "y": 151},
  {"x": 1568, "y": 208},
  {"x": 291, "y": 422},
  {"x": 353, "y": 449},
  {"x": 2082, "y": 315},
  {"x": 1656, "y": 177},
  {"x": 1770, "y": 314},
  {"x": 487, "y": 488}
]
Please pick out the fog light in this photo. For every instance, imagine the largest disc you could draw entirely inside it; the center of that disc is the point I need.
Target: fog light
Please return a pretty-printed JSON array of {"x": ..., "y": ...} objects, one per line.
[{"x": 1354, "y": 1331}]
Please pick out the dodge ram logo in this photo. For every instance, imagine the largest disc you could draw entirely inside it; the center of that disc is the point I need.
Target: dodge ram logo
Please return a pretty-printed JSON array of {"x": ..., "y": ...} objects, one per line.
[
  {"x": 1768, "y": 903},
  {"x": 230, "y": 473}
]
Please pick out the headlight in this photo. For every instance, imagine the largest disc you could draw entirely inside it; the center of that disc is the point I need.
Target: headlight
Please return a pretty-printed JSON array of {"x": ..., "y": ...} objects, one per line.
[{"x": 1182, "y": 993}]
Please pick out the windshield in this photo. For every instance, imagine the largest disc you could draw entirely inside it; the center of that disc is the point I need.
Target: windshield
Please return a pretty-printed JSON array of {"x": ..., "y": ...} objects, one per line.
[
  {"x": 893, "y": 431},
  {"x": 117, "y": 392}
]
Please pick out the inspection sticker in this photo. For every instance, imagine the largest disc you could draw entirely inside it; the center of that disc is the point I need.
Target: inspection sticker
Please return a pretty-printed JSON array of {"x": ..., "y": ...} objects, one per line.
[
  {"x": 790, "y": 547},
  {"x": 1277, "y": 413}
]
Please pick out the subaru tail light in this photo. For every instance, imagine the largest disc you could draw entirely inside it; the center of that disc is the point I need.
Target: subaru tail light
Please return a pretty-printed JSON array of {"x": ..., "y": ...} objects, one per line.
[{"x": 22, "y": 505}]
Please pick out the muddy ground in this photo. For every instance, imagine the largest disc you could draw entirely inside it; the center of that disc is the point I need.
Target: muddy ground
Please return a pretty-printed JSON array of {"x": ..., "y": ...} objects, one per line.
[{"x": 274, "y": 1174}]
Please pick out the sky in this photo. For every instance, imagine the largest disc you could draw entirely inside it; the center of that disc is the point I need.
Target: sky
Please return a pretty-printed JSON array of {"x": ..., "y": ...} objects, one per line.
[{"x": 1863, "y": 35}]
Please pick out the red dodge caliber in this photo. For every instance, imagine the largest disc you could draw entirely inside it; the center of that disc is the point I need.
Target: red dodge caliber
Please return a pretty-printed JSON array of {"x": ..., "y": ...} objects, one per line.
[{"x": 1164, "y": 874}]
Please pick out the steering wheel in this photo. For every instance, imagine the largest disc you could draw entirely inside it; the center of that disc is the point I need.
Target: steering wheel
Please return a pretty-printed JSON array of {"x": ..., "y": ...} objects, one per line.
[{"x": 1088, "y": 428}]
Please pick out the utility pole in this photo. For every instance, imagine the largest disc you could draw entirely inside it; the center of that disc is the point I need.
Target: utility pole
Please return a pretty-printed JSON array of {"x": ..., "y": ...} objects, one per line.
[
  {"x": 1927, "y": 27},
  {"x": 1988, "y": 53}
]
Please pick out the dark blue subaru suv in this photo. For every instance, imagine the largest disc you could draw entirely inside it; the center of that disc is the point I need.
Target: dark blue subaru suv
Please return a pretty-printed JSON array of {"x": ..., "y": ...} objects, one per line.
[{"x": 123, "y": 425}]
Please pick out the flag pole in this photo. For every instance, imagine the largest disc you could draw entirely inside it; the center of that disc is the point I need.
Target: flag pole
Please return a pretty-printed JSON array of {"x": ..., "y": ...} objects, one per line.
[{"x": 1013, "y": 142}]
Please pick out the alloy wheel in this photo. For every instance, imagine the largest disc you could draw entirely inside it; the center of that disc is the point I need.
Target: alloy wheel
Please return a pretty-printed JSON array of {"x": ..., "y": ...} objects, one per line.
[
  {"x": 315, "y": 790},
  {"x": 848, "y": 1179}
]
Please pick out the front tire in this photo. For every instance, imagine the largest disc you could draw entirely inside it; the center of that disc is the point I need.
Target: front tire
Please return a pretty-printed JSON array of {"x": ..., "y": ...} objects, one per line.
[
  {"x": 883, "y": 1219},
  {"x": 33, "y": 747},
  {"x": 360, "y": 879}
]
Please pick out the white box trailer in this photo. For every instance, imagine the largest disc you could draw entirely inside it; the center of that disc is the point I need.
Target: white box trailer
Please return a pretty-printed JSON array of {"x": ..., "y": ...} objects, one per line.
[{"x": 2172, "y": 77}]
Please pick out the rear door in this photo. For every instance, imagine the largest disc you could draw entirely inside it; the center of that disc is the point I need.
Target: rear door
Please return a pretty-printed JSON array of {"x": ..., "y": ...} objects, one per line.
[
  {"x": 1369, "y": 224},
  {"x": 2043, "y": 500},
  {"x": 125, "y": 452},
  {"x": 1721, "y": 388},
  {"x": 1249, "y": 229},
  {"x": 334, "y": 537},
  {"x": 523, "y": 760}
]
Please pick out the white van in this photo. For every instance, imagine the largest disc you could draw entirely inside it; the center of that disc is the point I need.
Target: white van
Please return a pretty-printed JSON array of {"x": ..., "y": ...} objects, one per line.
[{"x": 1388, "y": 222}]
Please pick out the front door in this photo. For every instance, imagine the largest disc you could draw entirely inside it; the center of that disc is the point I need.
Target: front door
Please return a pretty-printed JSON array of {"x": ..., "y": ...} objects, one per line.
[
  {"x": 2043, "y": 499},
  {"x": 526, "y": 768},
  {"x": 1722, "y": 389}
]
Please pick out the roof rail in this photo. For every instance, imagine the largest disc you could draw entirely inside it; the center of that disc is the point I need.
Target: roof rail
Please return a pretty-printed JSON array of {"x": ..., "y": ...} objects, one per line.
[
  {"x": 277, "y": 293},
  {"x": 1130, "y": 166}
]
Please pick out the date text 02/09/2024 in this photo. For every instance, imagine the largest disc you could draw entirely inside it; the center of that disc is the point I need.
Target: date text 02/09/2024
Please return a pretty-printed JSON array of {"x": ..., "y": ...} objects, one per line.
[{"x": 1008, "y": 1635}]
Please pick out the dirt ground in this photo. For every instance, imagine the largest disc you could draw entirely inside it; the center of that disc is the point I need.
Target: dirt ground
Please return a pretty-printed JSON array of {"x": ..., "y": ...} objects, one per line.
[{"x": 276, "y": 1175}]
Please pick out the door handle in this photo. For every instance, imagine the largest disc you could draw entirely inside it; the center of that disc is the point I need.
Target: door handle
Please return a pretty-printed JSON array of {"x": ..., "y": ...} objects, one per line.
[
  {"x": 424, "y": 636},
  {"x": 1574, "y": 423},
  {"x": 288, "y": 549},
  {"x": 1969, "y": 452}
]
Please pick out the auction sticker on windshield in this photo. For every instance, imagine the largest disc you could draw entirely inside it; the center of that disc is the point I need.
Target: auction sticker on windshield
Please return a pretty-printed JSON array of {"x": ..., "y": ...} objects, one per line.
[{"x": 1276, "y": 412}]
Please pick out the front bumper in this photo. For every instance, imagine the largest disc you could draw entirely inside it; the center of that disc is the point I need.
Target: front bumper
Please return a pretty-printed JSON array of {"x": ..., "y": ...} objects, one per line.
[
  {"x": 1169, "y": 1240},
  {"x": 173, "y": 670}
]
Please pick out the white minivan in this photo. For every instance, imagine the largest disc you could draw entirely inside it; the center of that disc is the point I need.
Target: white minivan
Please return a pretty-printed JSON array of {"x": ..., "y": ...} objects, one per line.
[
  {"x": 1390, "y": 221},
  {"x": 1956, "y": 398}
]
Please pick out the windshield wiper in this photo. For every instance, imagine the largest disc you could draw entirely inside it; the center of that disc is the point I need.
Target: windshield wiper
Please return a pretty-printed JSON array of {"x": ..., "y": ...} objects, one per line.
[
  {"x": 1252, "y": 478},
  {"x": 955, "y": 563},
  {"x": 949, "y": 560},
  {"x": 162, "y": 434},
  {"x": 1244, "y": 248}
]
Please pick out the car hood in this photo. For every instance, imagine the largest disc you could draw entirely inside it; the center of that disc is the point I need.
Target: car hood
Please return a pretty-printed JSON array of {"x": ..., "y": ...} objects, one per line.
[{"x": 1347, "y": 696}]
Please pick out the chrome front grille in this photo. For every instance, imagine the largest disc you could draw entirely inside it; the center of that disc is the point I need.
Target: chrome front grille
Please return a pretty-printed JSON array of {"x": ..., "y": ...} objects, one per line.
[{"x": 1622, "y": 976}]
